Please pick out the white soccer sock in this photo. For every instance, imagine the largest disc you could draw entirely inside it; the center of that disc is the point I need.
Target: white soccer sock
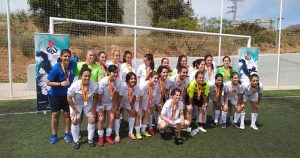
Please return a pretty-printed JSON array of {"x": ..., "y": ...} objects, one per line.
[
  {"x": 108, "y": 131},
  {"x": 205, "y": 117},
  {"x": 131, "y": 121},
  {"x": 224, "y": 117},
  {"x": 144, "y": 127},
  {"x": 243, "y": 118},
  {"x": 100, "y": 133},
  {"x": 138, "y": 129},
  {"x": 236, "y": 117},
  {"x": 75, "y": 131},
  {"x": 91, "y": 131},
  {"x": 217, "y": 114},
  {"x": 150, "y": 122},
  {"x": 253, "y": 118},
  {"x": 117, "y": 126}
]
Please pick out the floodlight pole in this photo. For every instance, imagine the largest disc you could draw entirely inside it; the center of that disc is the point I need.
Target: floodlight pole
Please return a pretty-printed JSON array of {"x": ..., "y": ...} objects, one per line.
[
  {"x": 9, "y": 49},
  {"x": 221, "y": 27},
  {"x": 278, "y": 46}
]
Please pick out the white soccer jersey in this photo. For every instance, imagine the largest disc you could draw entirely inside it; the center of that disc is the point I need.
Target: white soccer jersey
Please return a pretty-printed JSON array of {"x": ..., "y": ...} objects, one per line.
[
  {"x": 210, "y": 77},
  {"x": 176, "y": 83},
  {"x": 165, "y": 84},
  {"x": 167, "y": 109},
  {"x": 232, "y": 91},
  {"x": 144, "y": 92},
  {"x": 247, "y": 90},
  {"x": 124, "y": 93},
  {"x": 125, "y": 69},
  {"x": 142, "y": 73},
  {"x": 192, "y": 75},
  {"x": 212, "y": 93},
  {"x": 76, "y": 93},
  {"x": 104, "y": 89}
]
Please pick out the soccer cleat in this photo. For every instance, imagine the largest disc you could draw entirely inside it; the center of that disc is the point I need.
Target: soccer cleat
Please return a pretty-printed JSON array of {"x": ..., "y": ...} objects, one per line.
[
  {"x": 139, "y": 136},
  {"x": 223, "y": 125},
  {"x": 200, "y": 128},
  {"x": 151, "y": 131},
  {"x": 131, "y": 136},
  {"x": 76, "y": 145},
  {"x": 235, "y": 126},
  {"x": 117, "y": 139},
  {"x": 101, "y": 141},
  {"x": 253, "y": 126},
  {"x": 109, "y": 140},
  {"x": 146, "y": 134},
  {"x": 91, "y": 143},
  {"x": 194, "y": 132},
  {"x": 178, "y": 141},
  {"x": 68, "y": 137},
  {"x": 242, "y": 126},
  {"x": 189, "y": 129},
  {"x": 53, "y": 138}
]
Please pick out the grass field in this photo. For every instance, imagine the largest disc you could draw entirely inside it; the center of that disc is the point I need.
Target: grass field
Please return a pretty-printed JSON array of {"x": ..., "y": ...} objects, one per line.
[{"x": 27, "y": 135}]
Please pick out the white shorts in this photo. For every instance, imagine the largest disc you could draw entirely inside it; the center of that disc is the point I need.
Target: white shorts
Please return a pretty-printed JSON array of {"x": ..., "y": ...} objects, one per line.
[
  {"x": 106, "y": 106},
  {"x": 168, "y": 124},
  {"x": 80, "y": 108},
  {"x": 252, "y": 97},
  {"x": 128, "y": 107}
]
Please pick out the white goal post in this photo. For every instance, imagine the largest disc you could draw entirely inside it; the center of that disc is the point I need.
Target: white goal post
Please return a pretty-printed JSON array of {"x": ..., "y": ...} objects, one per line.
[{"x": 56, "y": 20}]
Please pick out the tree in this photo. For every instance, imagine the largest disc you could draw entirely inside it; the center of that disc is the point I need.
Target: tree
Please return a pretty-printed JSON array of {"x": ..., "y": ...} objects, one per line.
[
  {"x": 167, "y": 12},
  {"x": 93, "y": 10}
]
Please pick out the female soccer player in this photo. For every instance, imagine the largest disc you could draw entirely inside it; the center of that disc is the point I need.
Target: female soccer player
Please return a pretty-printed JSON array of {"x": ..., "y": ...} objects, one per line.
[
  {"x": 216, "y": 95},
  {"x": 231, "y": 91},
  {"x": 165, "y": 62},
  {"x": 210, "y": 70},
  {"x": 163, "y": 90},
  {"x": 96, "y": 73},
  {"x": 145, "y": 69},
  {"x": 82, "y": 97},
  {"x": 182, "y": 61},
  {"x": 226, "y": 69},
  {"x": 102, "y": 62},
  {"x": 172, "y": 115},
  {"x": 148, "y": 91},
  {"x": 198, "y": 95},
  {"x": 130, "y": 97},
  {"x": 127, "y": 65},
  {"x": 107, "y": 102},
  {"x": 59, "y": 79},
  {"x": 199, "y": 65},
  {"x": 252, "y": 92}
]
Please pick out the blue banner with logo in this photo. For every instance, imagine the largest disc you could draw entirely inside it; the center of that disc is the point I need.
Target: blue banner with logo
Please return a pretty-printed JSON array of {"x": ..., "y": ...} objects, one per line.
[
  {"x": 248, "y": 62},
  {"x": 47, "y": 51}
]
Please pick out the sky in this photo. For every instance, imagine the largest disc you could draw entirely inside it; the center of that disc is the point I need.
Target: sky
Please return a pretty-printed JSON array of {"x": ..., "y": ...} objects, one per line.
[{"x": 248, "y": 9}]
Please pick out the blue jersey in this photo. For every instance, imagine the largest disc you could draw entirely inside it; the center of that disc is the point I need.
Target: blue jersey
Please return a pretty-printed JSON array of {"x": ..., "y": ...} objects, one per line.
[{"x": 57, "y": 75}]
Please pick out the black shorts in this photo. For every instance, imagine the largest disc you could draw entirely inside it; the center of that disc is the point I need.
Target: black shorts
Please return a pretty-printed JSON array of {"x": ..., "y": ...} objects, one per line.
[
  {"x": 58, "y": 103},
  {"x": 198, "y": 102}
]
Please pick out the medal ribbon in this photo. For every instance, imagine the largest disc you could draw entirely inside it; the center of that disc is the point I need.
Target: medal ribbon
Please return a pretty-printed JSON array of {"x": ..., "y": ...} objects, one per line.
[
  {"x": 111, "y": 88},
  {"x": 226, "y": 72},
  {"x": 85, "y": 94},
  {"x": 234, "y": 91},
  {"x": 129, "y": 67},
  {"x": 103, "y": 69},
  {"x": 199, "y": 89},
  {"x": 174, "y": 108},
  {"x": 66, "y": 72},
  {"x": 161, "y": 85},
  {"x": 130, "y": 95},
  {"x": 150, "y": 90}
]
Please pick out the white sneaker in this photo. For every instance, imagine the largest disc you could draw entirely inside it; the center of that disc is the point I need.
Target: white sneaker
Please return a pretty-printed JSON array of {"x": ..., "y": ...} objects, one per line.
[
  {"x": 189, "y": 129},
  {"x": 200, "y": 128},
  {"x": 194, "y": 132},
  {"x": 242, "y": 126},
  {"x": 253, "y": 126}
]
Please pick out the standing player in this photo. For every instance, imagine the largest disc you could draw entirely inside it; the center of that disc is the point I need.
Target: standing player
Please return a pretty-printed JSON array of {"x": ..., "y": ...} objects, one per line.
[
  {"x": 253, "y": 92},
  {"x": 127, "y": 65},
  {"x": 182, "y": 61},
  {"x": 216, "y": 95},
  {"x": 82, "y": 97},
  {"x": 102, "y": 63},
  {"x": 226, "y": 70},
  {"x": 107, "y": 102},
  {"x": 59, "y": 79},
  {"x": 172, "y": 116},
  {"x": 148, "y": 91},
  {"x": 165, "y": 62},
  {"x": 145, "y": 69}
]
